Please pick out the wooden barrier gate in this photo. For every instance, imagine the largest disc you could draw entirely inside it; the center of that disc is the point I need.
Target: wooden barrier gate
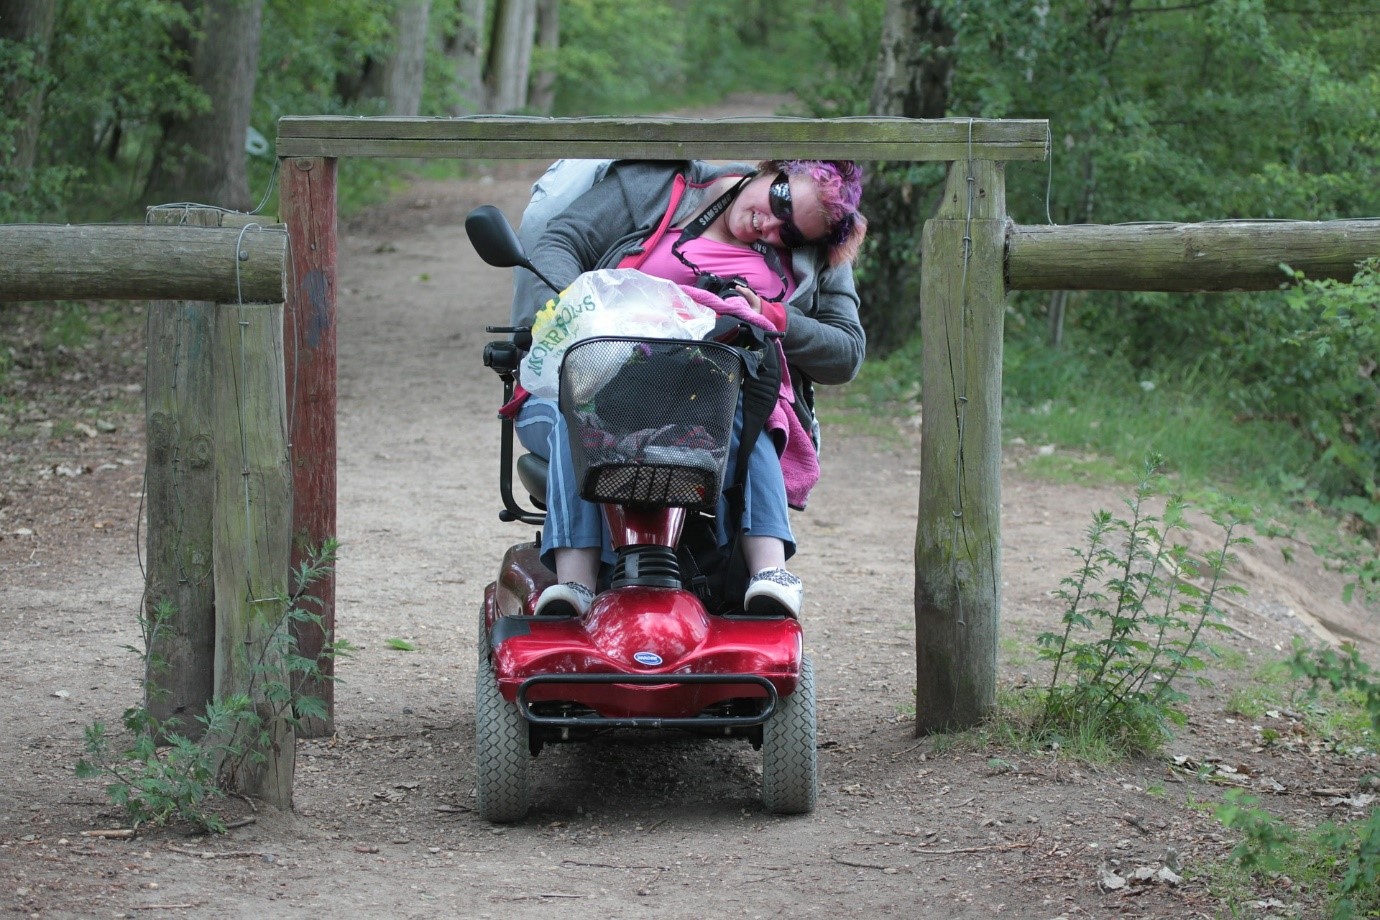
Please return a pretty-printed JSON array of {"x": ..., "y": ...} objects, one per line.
[{"x": 972, "y": 254}]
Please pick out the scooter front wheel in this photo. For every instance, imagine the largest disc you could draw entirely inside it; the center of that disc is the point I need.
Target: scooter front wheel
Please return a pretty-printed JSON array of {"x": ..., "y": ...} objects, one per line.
[
  {"x": 502, "y": 755},
  {"x": 790, "y": 764}
]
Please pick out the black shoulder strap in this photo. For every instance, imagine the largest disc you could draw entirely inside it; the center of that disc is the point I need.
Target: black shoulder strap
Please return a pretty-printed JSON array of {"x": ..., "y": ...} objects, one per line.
[{"x": 761, "y": 389}]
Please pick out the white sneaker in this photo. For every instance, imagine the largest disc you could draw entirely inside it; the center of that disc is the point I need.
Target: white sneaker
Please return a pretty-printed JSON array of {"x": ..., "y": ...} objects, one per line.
[
  {"x": 774, "y": 593},
  {"x": 570, "y": 599}
]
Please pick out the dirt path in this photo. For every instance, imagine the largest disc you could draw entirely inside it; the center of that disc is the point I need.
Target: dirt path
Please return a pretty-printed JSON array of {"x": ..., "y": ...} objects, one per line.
[{"x": 622, "y": 827}]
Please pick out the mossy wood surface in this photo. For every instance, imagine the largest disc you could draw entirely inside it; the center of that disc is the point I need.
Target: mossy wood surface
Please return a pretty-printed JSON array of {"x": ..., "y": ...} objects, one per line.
[
  {"x": 1237, "y": 255},
  {"x": 516, "y": 137},
  {"x": 253, "y": 527},
  {"x": 958, "y": 535},
  {"x": 180, "y": 483},
  {"x": 44, "y": 262}
]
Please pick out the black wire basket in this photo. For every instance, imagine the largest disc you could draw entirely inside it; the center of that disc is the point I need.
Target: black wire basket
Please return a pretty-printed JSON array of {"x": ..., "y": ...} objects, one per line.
[{"x": 650, "y": 420}]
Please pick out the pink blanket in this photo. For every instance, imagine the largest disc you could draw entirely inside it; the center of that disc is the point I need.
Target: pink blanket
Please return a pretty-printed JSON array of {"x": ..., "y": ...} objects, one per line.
[{"x": 799, "y": 462}]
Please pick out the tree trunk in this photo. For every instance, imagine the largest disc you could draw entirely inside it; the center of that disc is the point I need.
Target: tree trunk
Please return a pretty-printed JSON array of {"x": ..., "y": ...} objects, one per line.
[
  {"x": 22, "y": 86},
  {"x": 510, "y": 55},
  {"x": 914, "y": 75},
  {"x": 915, "y": 69},
  {"x": 406, "y": 68},
  {"x": 549, "y": 41},
  {"x": 202, "y": 157},
  {"x": 465, "y": 52}
]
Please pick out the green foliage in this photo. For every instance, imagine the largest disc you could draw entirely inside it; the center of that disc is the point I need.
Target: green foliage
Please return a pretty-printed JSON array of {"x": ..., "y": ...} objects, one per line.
[
  {"x": 1336, "y": 339},
  {"x": 1344, "y": 858},
  {"x": 1263, "y": 839},
  {"x": 119, "y": 68},
  {"x": 157, "y": 783},
  {"x": 1167, "y": 111},
  {"x": 831, "y": 62},
  {"x": 1341, "y": 670},
  {"x": 1134, "y": 620},
  {"x": 692, "y": 53},
  {"x": 602, "y": 71},
  {"x": 165, "y": 776},
  {"x": 22, "y": 80}
]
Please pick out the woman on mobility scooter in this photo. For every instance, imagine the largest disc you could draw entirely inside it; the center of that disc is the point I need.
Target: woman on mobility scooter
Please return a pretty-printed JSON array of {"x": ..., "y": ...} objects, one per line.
[{"x": 776, "y": 242}]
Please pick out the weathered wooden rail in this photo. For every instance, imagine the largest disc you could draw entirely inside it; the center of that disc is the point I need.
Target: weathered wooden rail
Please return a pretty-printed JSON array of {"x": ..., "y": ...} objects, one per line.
[
  {"x": 143, "y": 262},
  {"x": 972, "y": 255},
  {"x": 1227, "y": 255}
]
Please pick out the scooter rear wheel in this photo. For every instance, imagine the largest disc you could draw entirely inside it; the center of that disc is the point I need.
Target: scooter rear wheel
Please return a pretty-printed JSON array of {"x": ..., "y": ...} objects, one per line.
[
  {"x": 502, "y": 755},
  {"x": 790, "y": 765}
]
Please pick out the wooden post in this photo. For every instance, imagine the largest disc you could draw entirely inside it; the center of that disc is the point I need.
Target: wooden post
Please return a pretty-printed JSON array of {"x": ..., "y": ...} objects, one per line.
[
  {"x": 308, "y": 206},
  {"x": 180, "y": 485},
  {"x": 958, "y": 537},
  {"x": 253, "y": 532}
]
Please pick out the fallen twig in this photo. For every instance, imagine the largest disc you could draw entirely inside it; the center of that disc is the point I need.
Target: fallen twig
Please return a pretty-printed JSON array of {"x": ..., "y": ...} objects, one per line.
[
  {"x": 1000, "y": 847},
  {"x": 162, "y": 906},
  {"x": 211, "y": 854},
  {"x": 591, "y": 865},
  {"x": 860, "y": 865},
  {"x": 118, "y": 833}
]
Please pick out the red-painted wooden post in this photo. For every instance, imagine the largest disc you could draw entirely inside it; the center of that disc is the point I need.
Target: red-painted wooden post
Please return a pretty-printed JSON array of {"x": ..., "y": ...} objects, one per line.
[{"x": 308, "y": 209}]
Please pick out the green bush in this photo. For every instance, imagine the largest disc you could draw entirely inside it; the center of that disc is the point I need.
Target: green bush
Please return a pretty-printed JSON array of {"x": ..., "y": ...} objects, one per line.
[
  {"x": 164, "y": 776},
  {"x": 1135, "y": 618}
]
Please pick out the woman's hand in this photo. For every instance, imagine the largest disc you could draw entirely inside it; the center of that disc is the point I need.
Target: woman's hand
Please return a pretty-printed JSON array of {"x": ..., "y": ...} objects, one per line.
[{"x": 750, "y": 296}]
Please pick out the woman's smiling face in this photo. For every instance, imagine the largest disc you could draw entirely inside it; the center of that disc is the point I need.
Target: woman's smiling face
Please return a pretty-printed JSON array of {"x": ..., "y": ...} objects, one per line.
[{"x": 752, "y": 218}]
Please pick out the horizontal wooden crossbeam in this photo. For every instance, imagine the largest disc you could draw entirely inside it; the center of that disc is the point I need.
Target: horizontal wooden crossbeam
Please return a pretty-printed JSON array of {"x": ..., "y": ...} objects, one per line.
[
  {"x": 141, "y": 262},
  {"x": 1225, "y": 255},
  {"x": 517, "y": 137}
]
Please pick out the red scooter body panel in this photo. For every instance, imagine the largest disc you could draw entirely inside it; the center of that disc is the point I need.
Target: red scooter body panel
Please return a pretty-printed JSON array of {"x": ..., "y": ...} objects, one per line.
[{"x": 638, "y": 631}]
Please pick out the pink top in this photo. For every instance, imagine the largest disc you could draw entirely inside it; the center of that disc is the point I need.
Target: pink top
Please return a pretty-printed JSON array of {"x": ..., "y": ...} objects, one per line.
[{"x": 722, "y": 259}]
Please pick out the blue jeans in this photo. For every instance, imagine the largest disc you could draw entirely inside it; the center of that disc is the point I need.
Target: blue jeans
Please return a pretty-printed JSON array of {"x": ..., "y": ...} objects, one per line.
[{"x": 572, "y": 522}]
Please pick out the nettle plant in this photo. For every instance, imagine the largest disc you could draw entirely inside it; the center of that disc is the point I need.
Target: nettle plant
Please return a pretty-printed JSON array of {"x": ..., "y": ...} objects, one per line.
[
  {"x": 1137, "y": 612},
  {"x": 166, "y": 776}
]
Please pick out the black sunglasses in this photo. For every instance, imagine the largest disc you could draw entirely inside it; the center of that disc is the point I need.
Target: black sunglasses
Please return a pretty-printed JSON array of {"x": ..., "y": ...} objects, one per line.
[{"x": 779, "y": 197}]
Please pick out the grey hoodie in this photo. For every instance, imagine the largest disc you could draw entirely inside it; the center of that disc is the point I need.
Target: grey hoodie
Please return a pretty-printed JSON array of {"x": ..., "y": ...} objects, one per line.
[{"x": 824, "y": 339}]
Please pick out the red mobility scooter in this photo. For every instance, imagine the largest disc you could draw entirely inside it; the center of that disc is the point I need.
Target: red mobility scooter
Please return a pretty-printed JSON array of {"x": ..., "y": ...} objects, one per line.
[{"x": 650, "y": 424}]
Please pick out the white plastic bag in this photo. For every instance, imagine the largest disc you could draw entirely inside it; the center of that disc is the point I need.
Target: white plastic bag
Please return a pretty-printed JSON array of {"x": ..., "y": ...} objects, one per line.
[{"x": 620, "y": 301}]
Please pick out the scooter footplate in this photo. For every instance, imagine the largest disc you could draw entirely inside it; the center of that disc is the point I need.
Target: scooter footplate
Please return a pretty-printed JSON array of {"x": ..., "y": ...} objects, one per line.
[{"x": 648, "y": 680}]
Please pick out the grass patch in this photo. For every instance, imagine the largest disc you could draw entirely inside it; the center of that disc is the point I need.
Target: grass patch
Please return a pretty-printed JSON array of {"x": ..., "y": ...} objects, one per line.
[
  {"x": 1098, "y": 405},
  {"x": 1011, "y": 728},
  {"x": 1103, "y": 418},
  {"x": 1079, "y": 418}
]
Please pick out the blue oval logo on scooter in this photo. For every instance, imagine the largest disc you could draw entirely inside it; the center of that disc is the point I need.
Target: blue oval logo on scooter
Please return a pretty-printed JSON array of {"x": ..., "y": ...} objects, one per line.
[{"x": 647, "y": 659}]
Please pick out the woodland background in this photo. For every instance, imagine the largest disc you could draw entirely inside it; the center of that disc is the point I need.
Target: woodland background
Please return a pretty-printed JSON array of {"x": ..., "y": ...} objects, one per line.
[{"x": 1160, "y": 110}]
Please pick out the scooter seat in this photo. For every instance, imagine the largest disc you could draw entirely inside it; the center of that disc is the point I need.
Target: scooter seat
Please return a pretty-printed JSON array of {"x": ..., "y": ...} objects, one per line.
[{"x": 531, "y": 471}]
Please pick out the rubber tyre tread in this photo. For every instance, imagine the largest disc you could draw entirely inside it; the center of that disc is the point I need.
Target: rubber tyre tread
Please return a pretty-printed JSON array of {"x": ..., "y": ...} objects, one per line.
[
  {"x": 790, "y": 762},
  {"x": 502, "y": 756}
]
